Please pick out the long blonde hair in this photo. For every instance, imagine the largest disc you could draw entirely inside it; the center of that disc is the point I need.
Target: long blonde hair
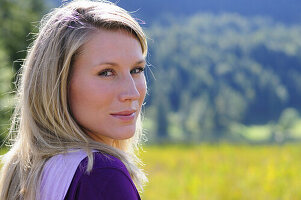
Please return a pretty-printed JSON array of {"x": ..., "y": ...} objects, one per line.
[{"x": 42, "y": 124}]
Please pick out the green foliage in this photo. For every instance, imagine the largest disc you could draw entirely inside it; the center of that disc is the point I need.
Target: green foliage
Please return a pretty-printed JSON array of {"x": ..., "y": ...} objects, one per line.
[
  {"x": 288, "y": 118},
  {"x": 5, "y": 87},
  {"x": 17, "y": 22},
  {"x": 218, "y": 70},
  {"x": 18, "y": 19}
]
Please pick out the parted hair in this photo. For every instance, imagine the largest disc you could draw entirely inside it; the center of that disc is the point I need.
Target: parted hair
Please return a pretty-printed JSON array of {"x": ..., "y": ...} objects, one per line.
[{"x": 42, "y": 124}]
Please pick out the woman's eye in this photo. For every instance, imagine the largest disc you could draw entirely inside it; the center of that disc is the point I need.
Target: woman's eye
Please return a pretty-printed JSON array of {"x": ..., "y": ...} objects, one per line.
[
  {"x": 137, "y": 70},
  {"x": 106, "y": 72}
]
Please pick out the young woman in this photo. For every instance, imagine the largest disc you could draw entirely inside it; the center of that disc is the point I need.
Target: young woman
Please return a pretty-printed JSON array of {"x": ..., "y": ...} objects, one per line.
[{"x": 76, "y": 127}]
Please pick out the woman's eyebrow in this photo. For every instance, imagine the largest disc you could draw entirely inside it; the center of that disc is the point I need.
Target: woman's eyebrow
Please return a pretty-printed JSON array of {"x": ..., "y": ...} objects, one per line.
[
  {"x": 141, "y": 62},
  {"x": 116, "y": 64}
]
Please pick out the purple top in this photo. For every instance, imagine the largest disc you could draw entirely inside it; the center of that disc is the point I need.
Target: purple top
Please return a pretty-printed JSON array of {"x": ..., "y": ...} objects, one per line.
[{"x": 108, "y": 180}]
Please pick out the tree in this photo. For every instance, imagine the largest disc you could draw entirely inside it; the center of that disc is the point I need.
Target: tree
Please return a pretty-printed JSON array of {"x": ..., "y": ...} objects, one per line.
[
  {"x": 242, "y": 70},
  {"x": 17, "y": 21}
]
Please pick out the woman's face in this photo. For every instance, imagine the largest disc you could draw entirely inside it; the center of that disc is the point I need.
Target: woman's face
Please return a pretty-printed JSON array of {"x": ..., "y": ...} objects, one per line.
[{"x": 108, "y": 86}]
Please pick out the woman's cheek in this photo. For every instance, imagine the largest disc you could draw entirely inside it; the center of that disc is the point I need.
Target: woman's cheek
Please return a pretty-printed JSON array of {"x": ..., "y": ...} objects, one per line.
[{"x": 142, "y": 87}]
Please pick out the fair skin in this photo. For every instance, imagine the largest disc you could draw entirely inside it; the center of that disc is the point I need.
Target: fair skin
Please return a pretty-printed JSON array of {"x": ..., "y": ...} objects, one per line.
[{"x": 107, "y": 85}]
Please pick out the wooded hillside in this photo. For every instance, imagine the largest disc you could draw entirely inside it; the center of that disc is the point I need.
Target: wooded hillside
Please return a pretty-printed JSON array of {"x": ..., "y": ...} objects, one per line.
[{"x": 213, "y": 71}]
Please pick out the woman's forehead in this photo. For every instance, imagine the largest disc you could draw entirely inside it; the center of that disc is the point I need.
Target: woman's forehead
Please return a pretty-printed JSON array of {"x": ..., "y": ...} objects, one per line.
[{"x": 105, "y": 47}]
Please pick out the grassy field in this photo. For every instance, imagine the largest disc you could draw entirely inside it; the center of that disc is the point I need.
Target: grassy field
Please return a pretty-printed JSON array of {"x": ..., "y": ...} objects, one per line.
[{"x": 223, "y": 172}]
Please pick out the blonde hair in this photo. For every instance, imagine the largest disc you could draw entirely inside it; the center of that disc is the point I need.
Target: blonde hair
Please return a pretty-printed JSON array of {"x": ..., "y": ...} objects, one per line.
[{"x": 42, "y": 124}]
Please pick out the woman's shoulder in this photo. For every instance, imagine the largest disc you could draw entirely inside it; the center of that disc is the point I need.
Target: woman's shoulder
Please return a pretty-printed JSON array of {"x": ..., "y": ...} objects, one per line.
[
  {"x": 108, "y": 179},
  {"x": 102, "y": 160}
]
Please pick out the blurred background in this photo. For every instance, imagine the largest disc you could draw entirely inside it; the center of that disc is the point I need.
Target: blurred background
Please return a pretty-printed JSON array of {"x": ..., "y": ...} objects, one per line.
[{"x": 222, "y": 114}]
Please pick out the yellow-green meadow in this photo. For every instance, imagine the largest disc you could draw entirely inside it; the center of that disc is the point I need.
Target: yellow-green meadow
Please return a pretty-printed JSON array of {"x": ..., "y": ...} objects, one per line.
[{"x": 223, "y": 172}]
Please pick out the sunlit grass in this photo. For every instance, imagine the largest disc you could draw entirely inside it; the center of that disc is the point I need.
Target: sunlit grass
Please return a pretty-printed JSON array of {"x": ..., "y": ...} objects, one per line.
[{"x": 223, "y": 172}]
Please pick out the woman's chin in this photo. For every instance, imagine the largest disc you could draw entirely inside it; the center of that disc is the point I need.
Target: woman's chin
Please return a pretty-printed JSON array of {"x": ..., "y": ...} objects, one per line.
[{"x": 123, "y": 133}]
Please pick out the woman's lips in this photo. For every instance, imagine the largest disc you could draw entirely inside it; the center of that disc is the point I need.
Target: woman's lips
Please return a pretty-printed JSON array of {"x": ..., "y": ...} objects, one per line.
[{"x": 125, "y": 115}]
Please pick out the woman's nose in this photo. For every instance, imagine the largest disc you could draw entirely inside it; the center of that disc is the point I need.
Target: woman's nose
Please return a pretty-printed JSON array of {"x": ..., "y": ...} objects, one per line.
[{"x": 129, "y": 90}]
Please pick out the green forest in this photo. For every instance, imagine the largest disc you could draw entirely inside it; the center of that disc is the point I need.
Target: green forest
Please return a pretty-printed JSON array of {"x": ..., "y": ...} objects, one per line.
[
  {"x": 216, "y": 74},
  {"x": 210, "y": 77},
  {"x": 18, "y": 22}
]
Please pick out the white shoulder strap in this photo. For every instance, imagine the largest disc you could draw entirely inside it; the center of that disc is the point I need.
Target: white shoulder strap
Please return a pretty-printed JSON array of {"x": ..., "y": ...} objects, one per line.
[{"x": 58, "y": 173}]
